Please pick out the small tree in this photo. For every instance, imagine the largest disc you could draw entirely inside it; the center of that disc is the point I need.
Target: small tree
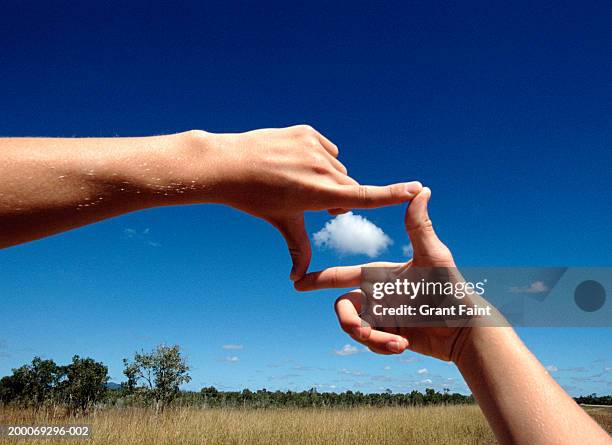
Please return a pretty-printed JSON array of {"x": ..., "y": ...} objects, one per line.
[
  {"x": 84, "y": 383},
  {"x": 161, "y": 372},
  {"x": 32, "y": 384}
]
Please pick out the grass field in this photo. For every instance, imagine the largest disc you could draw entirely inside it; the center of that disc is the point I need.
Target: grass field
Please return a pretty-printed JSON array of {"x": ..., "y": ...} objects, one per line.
[{"x": 423, "y": 425}]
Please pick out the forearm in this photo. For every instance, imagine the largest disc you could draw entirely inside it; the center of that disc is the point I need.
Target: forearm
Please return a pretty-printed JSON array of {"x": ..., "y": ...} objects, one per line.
[
  {"x": 48, "y": 185},
  {"x": 522, "y": 402}
]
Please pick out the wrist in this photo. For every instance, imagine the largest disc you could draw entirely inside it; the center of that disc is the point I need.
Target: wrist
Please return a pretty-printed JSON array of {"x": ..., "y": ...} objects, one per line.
[
  {"x": 474, "y": 343},
  {"x": 181, "y": 168}
]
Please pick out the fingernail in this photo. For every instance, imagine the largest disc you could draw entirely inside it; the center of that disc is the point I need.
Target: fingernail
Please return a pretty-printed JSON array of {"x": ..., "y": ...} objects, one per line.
[
  {"x": 394, "y": 346},
  {"x": 413, "y": 188}
]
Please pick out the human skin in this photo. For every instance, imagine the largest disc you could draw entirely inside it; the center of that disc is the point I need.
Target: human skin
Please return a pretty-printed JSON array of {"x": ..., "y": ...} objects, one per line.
[
  {"x": 521, "y": 401},
  {"x": 49, "y": 185}
]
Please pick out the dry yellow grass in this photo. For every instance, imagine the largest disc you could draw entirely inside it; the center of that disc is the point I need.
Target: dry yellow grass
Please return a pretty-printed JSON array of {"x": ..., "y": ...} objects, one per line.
[
  {"x": 448, "y": 425},
  {"x": 426, "y": 425}
]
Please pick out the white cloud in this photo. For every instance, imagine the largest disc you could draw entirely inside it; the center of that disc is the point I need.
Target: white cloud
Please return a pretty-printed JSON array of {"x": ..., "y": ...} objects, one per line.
[
  {"x": 352, "y": 373},
  {"x": 347, "y": 350},
  {"x": 407, "y": 250},
  {"x": 552, "y": 368},
  {"x": 352, "y": 234},
  {"x": 426, "y": 381},
  {"x": 387, "y": 368},
  {"x": 233, "y": 347},
  {"x": 232, "y": 359},
  {"x": 537, "y": 287},
  {"x": 409, "y": 359},
  {"x": 423, "y": 371}
]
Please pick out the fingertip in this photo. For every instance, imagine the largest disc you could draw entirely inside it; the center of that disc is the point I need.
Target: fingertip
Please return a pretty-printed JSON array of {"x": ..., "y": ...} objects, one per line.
[
  {"x": 413, "y": 188},
  {"x": 299, "y": 285},
  {"x": 397, "y": 346}
]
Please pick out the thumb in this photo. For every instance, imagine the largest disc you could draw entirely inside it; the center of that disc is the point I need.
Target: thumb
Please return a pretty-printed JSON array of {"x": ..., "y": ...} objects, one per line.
[
  {"x": 425, "y": 242},
  {"x": 294, "y": 231}
]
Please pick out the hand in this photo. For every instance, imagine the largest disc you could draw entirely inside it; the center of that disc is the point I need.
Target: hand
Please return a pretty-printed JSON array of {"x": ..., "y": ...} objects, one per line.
[
  {"x": 429, "y": 251},
  {"x": 278, "y": 174}
]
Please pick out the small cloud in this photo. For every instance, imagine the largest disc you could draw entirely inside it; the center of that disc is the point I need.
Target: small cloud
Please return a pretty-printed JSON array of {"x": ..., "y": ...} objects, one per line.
[
  {"x": 426, "y": 381},
  {"x": 351, "y": 373},
  {"x": 552, "y": 368},
  {"x": 233, "y": 347},
  {"x": 347, "y": 350},
  {"x": 387, "y": 368},
  {"x": 232, "y": 359},
  {"x": 574, "y": 369},
  {"x": 409, "y": 359},
  {"x": 407, "y": 250},
  {"x": 142, "y": 236},
  {"x": 352, "y": 234},
  {"x": 537, "y": 287},
  {"x": 423, "y": 371}
]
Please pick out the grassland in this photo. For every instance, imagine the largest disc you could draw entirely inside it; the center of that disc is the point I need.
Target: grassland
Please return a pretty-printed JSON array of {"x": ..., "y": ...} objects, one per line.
[{"x": 423, "y": 425}]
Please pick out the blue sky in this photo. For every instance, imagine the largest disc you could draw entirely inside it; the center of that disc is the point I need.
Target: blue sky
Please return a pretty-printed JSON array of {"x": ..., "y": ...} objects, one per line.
[{"x": 503, "y": 110}]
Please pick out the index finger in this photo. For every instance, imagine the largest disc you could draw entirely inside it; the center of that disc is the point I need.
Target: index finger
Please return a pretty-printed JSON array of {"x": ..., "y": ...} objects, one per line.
[{"x": 337, "y": 277}]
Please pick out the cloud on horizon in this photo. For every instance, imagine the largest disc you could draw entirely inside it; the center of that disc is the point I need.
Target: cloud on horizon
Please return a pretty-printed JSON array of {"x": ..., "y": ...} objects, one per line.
[
  {"x": 352, "y": 234},
  {"x": 347, "y": 350},
  {"x": 537, "y": 287}
]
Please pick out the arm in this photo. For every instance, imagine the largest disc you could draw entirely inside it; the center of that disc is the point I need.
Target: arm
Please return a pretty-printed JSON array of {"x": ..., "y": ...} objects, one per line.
[
  {"x": 49, "y": 185},
  {"x": 520, "y": 400}
]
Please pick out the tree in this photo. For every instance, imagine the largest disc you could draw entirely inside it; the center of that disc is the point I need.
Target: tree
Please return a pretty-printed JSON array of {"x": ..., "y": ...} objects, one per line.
[
  {"x": 161, "y": 372},
  {"x": 84, "y": 383},
  {"x": 32, "y": 384}
]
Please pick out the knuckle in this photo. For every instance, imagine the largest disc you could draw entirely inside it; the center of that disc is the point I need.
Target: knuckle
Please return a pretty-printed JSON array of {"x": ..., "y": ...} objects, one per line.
[
  {"x": 305, "y": 128},
  {"x": 334, "y": 277},
  {"x": 312, "y": 141},
  {"x": 364, "y": 194},
  {"x": 316, "y": 158},
  {"x": 295, "y": 252},
  {"x": 424, "y": 226}
]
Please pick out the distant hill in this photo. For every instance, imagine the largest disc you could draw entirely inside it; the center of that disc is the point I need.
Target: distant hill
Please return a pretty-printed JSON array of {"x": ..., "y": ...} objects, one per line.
[{"x": 113, "y": 385}]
